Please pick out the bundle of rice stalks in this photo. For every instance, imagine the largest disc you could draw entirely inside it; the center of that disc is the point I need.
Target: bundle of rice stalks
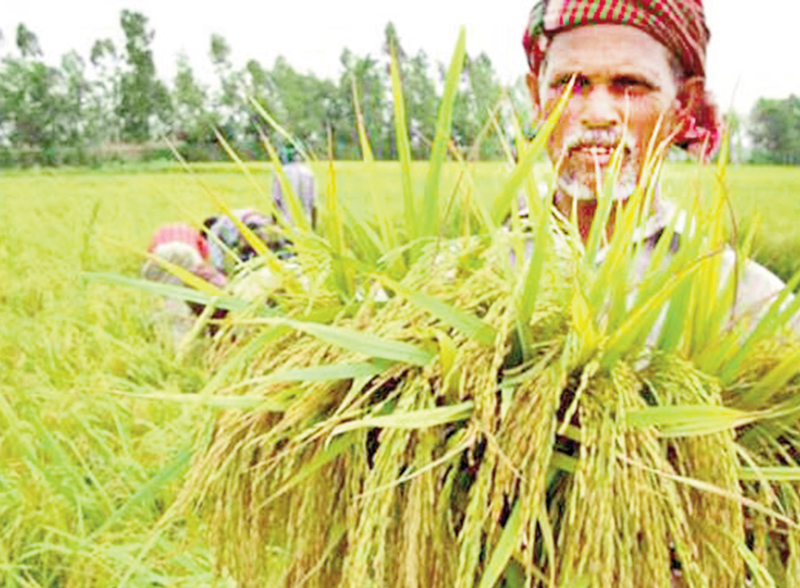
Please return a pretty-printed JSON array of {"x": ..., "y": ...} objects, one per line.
[{"x": 502, "y": 408}]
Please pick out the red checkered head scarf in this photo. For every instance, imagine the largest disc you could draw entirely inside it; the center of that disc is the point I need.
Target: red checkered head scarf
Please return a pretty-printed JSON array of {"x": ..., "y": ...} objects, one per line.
[{"x": 679, "y": 25}]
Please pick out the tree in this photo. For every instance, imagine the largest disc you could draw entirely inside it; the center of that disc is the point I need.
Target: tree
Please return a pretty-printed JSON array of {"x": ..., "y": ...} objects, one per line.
[
  {"x": 257, "y": 81},
  {"x": 371, "y": 83},
  {"x": 478, "y": 93},
  {"x": 46, "y": 113},
  {"x": 189, "y": 101},
  {"x": 392, "y": 46},
  {"x": 421, "y": 104},
  {"x": 107, "y": 88},
  {"x": 392, "y": 41},
  {"x": 78, "y": 124},
  {"x": 31, "y": 106},
  {"x": 342, "y": 121},
  {"x": 220, "y": 51},
  {"x": 258, "y": 85},
  {"x": 302, "y": 103},
  {"x": 229, "y": 104},
  {"x": 775, "y": 130},
  {"x": 144, "y": 103},
  {"x": 464, "y": 125},
  {"x": 27, "y": 42},
  {"x": 484, "y": 90},
  {"x": 734, "y": 124}
]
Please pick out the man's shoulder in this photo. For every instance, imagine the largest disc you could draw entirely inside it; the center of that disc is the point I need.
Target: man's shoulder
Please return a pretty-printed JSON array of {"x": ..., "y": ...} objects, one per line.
[
  {"x": 757, "y": 287},
  {"x": 755, "y": 278}
]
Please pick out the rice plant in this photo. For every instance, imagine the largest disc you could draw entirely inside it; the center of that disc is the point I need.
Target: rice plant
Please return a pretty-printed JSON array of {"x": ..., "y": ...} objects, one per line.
[{"x": 86, "y": 469}]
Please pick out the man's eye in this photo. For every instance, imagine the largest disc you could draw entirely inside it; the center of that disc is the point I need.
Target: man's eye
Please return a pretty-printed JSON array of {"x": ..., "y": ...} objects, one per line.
[
  {"x": 632, "y": 84},
  {"x": 563, "y": 81}
]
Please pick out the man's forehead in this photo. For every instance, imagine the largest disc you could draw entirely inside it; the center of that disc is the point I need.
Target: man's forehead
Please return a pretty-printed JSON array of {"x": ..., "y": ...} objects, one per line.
[{"x": 607, "y": 49}]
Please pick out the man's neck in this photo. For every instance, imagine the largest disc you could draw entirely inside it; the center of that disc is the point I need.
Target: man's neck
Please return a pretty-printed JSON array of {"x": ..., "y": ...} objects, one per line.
[{"x": 585, "y": 211}]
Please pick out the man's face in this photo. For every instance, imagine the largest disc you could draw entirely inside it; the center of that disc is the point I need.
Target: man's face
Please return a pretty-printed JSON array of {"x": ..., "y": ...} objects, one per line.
[{"x": 624, "y": 85}]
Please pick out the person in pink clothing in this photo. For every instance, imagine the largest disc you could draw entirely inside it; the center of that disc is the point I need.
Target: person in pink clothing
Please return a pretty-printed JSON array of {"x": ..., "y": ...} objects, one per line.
[{"x": 181, "y": 245}]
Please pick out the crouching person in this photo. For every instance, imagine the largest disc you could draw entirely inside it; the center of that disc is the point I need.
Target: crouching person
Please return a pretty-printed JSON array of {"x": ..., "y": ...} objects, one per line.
[
  {"x": 183, "y": 246},
  {"x": 228, "y": 247}
]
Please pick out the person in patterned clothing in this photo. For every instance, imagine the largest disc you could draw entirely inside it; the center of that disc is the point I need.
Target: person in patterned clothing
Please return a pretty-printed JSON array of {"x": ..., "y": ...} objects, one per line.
[
  {"x": 639, "y": 77},
  {"x": 228, "y": 247}
]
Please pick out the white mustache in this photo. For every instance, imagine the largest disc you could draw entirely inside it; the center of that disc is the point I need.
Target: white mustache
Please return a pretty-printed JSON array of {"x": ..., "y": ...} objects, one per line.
[{"x": 608, "y": 139}]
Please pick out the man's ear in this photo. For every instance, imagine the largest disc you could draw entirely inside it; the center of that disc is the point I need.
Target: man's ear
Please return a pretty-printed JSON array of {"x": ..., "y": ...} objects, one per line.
[
  {"x": 532, "y": 80},
  {"x": 699, "y": 127},
  {"x": 691, "y": 95}
]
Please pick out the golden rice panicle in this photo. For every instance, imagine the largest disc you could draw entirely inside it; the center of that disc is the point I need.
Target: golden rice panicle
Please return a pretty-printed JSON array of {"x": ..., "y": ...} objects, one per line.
[
  {"x": 622, "y": 513},
  {"x": 526, "y": 451},
  {"x": 714, "y": 518},
  {"x": 717, "y": 524},
  {"x": 787, "y": 547},
  {"x": 426, "y": 507}
]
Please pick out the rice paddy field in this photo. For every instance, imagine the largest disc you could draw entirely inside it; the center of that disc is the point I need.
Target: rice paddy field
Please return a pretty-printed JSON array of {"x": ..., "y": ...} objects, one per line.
[{"x": 88, "y": 469}]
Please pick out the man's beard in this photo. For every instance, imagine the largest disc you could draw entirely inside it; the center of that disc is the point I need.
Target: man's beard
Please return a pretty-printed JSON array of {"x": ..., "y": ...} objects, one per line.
[
  {"x": 583, "y": 185},
  {"x": 576, "y": 189}
]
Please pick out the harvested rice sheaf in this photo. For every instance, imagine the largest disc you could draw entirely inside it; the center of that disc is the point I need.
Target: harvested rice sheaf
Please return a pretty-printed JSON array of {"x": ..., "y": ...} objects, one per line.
[
  {"x": 508, "y": 408},
  {"x": 436, "y": 439}
]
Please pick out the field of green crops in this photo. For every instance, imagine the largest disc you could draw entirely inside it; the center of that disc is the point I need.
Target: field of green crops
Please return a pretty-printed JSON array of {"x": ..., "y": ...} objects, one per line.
[{"x": 87, "y": 470}]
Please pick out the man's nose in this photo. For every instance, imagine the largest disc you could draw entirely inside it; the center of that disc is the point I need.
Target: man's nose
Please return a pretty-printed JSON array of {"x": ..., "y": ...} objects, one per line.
[{"x": 601, "y": 109}]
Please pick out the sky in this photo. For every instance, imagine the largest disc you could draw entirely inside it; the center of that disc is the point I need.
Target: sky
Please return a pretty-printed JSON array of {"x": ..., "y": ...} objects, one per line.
[{"x": 754, "y": 50}]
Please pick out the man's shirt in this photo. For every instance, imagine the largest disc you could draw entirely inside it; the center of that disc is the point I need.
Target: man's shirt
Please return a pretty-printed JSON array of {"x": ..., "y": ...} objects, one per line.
[{"x": 757, "y": 287}]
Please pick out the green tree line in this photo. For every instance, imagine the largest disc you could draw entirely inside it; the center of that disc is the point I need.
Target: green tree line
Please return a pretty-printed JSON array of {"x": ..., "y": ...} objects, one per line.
[
  {"x": 112, "y": 102},
  {"x": 89, "y": 107}
]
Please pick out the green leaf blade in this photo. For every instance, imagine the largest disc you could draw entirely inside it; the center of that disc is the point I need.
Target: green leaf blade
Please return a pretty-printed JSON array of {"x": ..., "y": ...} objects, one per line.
[{"x": 430, "y": 207}]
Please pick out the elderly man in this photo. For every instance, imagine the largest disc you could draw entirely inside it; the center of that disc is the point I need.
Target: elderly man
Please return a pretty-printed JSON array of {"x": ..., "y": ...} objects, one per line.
[
  {"x": 639, "y": 69},
  {"x": 639, "y": 79}
]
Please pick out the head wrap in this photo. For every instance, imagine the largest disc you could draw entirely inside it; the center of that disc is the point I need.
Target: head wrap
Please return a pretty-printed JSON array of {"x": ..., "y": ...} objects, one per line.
[
  {"x": 180, "y": 233},
  {"x": 679, "y": 25},
  {"x": 195, "y": 258}
]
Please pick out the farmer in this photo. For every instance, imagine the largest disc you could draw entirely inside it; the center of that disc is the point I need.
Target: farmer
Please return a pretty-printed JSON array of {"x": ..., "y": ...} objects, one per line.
[
  {"x": 227, "y": 244},
  {"x": 212, "y": 255},
  {"x": 183, "y": 246},
  {"x": 303, "y": 184},
  {"x": 639, "y": 71},
  {"x": 639, "y": 68}
]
